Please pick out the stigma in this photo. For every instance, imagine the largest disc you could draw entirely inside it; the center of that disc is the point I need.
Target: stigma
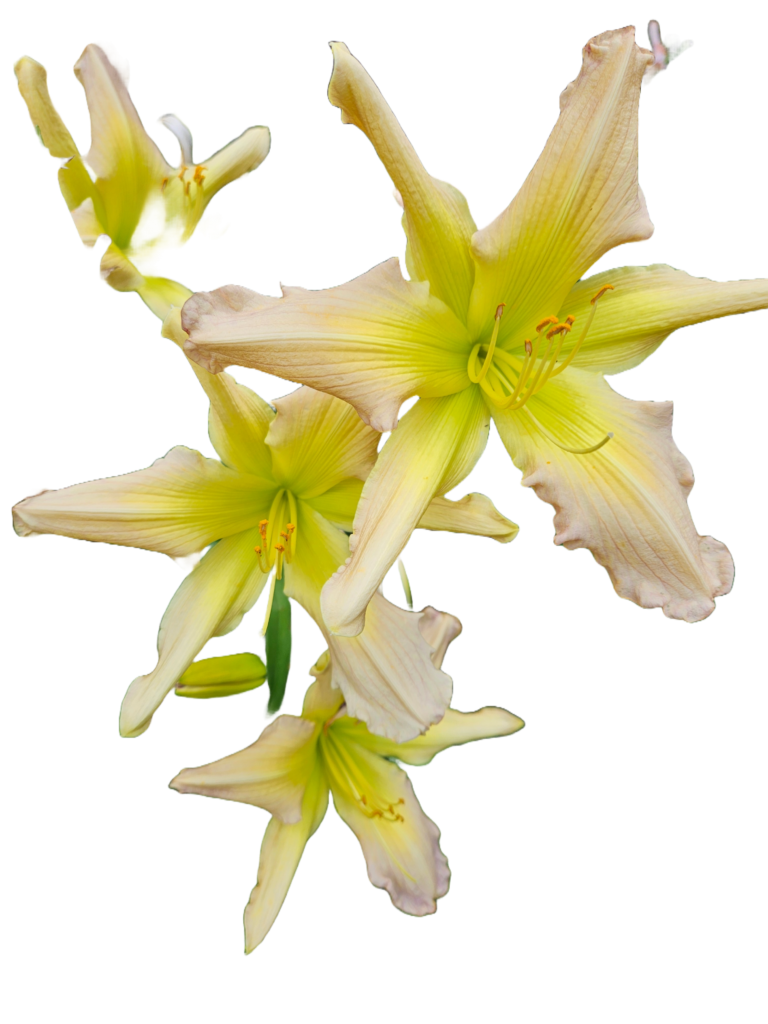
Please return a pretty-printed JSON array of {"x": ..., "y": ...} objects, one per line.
[{"x": 278, "y": 534}]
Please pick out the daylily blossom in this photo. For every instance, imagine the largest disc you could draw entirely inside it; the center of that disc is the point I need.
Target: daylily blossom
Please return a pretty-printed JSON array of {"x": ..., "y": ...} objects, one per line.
[
  {"x": 124, "y": 187},
  {"x": 280, "y": 499},
  {"x": 296, "y": 761},
  {"x": 498, "y": 324}
]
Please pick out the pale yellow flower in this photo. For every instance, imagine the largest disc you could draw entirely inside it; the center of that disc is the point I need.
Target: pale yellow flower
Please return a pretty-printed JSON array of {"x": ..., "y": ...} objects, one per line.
[
  {"x": 124, "y": 187},
  {"x": 290, "y": 770},
  {"x": 281, "y": 498},
  {"x": 498, "y": 324}
]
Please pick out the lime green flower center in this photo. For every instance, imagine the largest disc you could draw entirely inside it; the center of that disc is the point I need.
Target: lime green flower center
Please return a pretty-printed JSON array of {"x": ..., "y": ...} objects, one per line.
[
  {"x": 278, "y": 534},
  {"x": 347, "y": 774}
]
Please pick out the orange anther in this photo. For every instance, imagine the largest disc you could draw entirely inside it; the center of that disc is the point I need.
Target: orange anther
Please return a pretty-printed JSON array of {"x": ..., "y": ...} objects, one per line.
[
  {"x": 545, "y": 323},
  {"x": 499, "y": 310},
  {"x": 570, "y": 320},
  {"x": 163, "y": 183},
  {"x": 601, "y": 293},
  {"x": 199, "y": 176},
  {"x": 560, "y": 329},
  {"x": 279, "y": 547},
  {"x": 257, "y": 549}
]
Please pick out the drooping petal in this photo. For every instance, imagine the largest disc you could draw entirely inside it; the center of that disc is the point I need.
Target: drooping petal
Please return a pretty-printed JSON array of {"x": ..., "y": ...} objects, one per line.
[
  {"x": 241, "y": 156},
  {"x": 161, "y": 293},
  {"x": 435, "y": 446},
  {"x": 390, "y": 674},
  {"x": 455, "y": 728},
  {"x": 474, "y": 513},
  {"x": 281, "y": 851},
  {"x": 581, "y": 199},
  {"x": 372, "y": 342},
  {"x": 437, "y": 219},
  {"x": 646, "y": 305},
  {"x": 238, "y": 420},
  {"x": 317, "y": 441},
  {"x": 130, "y": 169},
  {"x": 33, "y": 86},
  {"x": 400, "y": 843},
  {"x": 627, "y": 501},
  {"x": 272, "y": 773},
  {"x": 210, "y": 602},
  {"x": 178, "y": 505}
]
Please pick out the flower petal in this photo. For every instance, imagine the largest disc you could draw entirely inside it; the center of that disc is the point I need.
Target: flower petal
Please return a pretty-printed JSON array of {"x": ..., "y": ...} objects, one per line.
[
  {"x": 647, "y": 304},
  {"x": 580, "y": 200},
  {"x": 455, "y": 728},
  {"x": 317, "y": 441},
  {"x": 161, "y": 293},
  {"x": 241, "y": 156},
  {"x": 33, "y": 86},
  {"x": 339, "y": 504},
  {"x": 403, "y": 856},
  {"x": 272, "y": 773},
  {"x": 211, "y": 601},
  {"x": 625, "y": 502},
  {"x": 372, "y": 342},
  {"x": 474, "y": 514},
  {"x": 434, "y": 447},
  {"x": 178, "y": 505},
  {"x": 437, "y": 219},
  {"x": 390, "y": 675},
  {"x": 281, "y": 851}
]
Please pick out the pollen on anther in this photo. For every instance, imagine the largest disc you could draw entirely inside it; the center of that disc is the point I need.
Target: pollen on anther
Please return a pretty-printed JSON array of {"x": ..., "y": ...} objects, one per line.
[
  {"x": 257, "y": 549},
  {"x": 545, "y": 323},
  {"x": 601, "y": 293},
  {"x": 570, "y": 320}
]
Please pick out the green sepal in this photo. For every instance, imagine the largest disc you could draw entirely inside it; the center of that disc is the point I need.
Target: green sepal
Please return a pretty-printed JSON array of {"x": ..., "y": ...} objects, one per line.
[
  {"x": 278, "y": 646},
  {"x": 222, "y": 677}
]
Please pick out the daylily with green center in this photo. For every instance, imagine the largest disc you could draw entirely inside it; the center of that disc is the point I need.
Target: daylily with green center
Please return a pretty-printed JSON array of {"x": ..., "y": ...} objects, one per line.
[
  {"x": 136, "y": 197},
  {"x": 281, "y": 498},
  {"x": 497, "y": 323},
  {"x": 291, "y": 768}
]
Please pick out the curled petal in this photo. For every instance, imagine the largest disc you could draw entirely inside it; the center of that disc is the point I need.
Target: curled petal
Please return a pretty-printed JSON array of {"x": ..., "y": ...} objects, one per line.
[
  {"x": 626, "y": 502},
  {"x": 33, "y": 86},
  {"x": 474, "y": 513},
  {"x": 372, "y": 342}
]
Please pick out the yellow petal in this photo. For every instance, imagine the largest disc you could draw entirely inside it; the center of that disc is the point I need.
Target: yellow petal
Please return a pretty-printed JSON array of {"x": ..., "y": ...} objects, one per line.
[
  {"x": 437, "y": 219},
  {"x": 161, "y": 293},
  {"x": 627, "y": 501},
  {"x": 390, "y": 675},
  {"x": 581, "y": 199},
  {"x": 317, "y": 441},
  {"x": 210, "y": 602},
  {"x": 178, "y": 505},
  {"x": 646, "y": 305},
  {"x": 434, "y": 447},
  {"x": 474, "y": 513},
  {"x": 281, "y": 851},
  {"x": 372, "y": 342},
  {"x": 339, "y": 504},
  {"x": 241, "y": 156},
  {"x": 272, "y": 773},
  {"x": 403, "y": 856},
  {"x": 33, "y": 86}
]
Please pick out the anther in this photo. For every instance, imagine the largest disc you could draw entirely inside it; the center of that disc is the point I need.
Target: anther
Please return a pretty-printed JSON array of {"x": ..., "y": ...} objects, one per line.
[
  {"x": 570, "y": 320},
  {"x": 545, "y": 323},
  {"x": 601, "y": 293},
  {"x": 499, "y": 310},
  {"x": 528, "y": 346}
]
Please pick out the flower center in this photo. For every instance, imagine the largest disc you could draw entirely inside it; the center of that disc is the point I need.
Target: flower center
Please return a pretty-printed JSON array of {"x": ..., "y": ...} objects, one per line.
[
  {"x": 278, "y": 534},
  {"x": 350, "y": 777},
  {"x": 509, "y": 381}
]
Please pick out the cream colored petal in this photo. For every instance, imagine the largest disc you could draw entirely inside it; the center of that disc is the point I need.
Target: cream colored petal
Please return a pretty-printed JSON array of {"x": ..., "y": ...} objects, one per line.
[
  {"x": 90, "y": 228},
  {"x": 178, "y": 505},
  {"x": 281, "y": 851},
  {"x": 115, "y": 268},
  {"x": 647, "y": 304},
  {"x": 390, "y": 675},
  {"x": 455, "y": 728},
  {"x": 238, "y": 420},
  {"x": 317, "y": 441},
  {"x": 272, "y": 773},
  {"x": 434, "y": 447},
  {"x": 33, "y": 86},
  {"x": 437, "y": 220},
  {"x": 474, "y": 513},
  {"x": 129, "y": 167},
  {"x": 211, "y": 601},
  {"x": 372, "y": 342},
  {"x": 581, "y": 199},
  {"x": 403, "y": 856},
  {"x": 241, "y": 156},
  {"x": 160, "y": 293},
  {"x": 322, "y": 699},
  {"x": 627, "y": 501},
  {"x": 339, "y": 504}
]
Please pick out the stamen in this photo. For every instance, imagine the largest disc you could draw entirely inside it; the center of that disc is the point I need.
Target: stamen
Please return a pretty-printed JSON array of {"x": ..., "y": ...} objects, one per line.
[
  {"x": 348, "y": 776},
  {"x": 269, "y": 605},
  {"x": 565, "y": 448}
]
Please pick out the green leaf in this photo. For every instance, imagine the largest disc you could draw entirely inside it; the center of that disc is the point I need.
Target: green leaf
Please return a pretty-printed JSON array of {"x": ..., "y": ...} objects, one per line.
[
  {"x": 278, "y": 646},
  {"x": 222, "y": 677}
]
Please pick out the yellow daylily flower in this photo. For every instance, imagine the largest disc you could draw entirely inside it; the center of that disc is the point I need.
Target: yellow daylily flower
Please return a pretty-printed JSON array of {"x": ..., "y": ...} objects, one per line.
[
  {"x": 498, "y": 324},
  {"x": 290, "y": 770},
  {"x": 124, "y": 187},
  {"x": 281, "y": 498}
]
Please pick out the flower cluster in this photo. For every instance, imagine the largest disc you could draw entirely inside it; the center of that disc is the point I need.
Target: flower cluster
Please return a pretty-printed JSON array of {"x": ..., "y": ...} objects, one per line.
[{"x": 305, "y": 504}]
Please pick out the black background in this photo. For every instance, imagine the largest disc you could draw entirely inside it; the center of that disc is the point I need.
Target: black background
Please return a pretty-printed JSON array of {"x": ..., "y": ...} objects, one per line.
[{"x": 614, "y": 811}]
